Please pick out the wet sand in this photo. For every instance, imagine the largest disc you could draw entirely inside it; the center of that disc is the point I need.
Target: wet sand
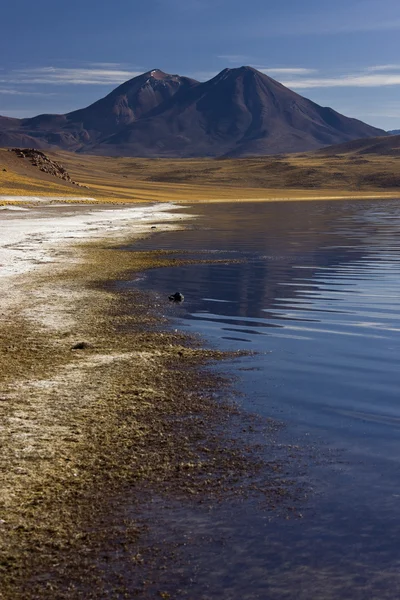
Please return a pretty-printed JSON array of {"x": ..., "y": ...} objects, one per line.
[{"x": 101, "y": 401}]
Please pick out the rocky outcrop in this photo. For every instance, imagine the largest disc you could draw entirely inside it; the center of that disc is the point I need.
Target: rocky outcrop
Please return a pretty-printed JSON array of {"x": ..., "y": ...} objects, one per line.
[{"x": 44, "y": 163}]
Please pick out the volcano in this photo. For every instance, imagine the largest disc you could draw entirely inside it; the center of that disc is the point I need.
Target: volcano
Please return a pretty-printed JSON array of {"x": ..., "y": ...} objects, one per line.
[{"x": 239, "y": 112}]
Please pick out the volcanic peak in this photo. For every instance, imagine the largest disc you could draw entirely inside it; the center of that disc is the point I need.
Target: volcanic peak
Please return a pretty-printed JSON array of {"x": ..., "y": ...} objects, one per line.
[
  {"x": 240, "y": 112},
  {"x": 157, "y": 74}
]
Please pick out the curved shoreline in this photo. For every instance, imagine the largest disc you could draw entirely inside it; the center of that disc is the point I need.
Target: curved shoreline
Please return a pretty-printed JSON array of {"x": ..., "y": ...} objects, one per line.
[{"x": 97, "y": 402}]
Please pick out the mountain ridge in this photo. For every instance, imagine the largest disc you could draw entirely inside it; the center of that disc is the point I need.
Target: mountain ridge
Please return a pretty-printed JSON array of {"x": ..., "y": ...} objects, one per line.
[
  {"x": 388, "y": 145},
  {"x": 239, "y": 112}
]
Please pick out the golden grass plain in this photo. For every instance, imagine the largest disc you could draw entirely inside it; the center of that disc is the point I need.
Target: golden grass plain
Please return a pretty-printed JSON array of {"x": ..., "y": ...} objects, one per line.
[{"x": 308, "y": 176}]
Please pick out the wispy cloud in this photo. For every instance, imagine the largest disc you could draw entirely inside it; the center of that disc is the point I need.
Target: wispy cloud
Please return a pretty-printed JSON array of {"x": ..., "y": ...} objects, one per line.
[
  {"x": 286, "y": 71},
  {"x": 273, "y": 71},
  {"x": 380, "y": 68},
  {"x": 74, "y": 76},
  {"x": 241, "y": 59},
  {"x": 360, "y": 80},
  {"x": 19, "y": 82},
  {"x": 299, "y": 77},
  {"x": 13, "y": 92}
]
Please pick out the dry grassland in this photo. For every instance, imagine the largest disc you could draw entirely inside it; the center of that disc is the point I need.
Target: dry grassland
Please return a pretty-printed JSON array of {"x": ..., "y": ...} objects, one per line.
[{"x": 296, "y": 176}]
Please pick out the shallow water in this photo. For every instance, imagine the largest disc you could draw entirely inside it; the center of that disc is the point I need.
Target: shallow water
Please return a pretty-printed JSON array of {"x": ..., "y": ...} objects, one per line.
[{"x": 317, "y": 295}]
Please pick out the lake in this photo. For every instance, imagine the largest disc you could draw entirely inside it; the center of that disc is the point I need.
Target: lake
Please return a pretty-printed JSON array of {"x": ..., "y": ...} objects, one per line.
[{"x": 315, "y": 293}]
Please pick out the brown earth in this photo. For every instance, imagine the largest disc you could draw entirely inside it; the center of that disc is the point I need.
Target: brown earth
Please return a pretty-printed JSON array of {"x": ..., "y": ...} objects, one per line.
[
  {"x": 340, "y": 172},
  {"x": 100, "y": 403}
]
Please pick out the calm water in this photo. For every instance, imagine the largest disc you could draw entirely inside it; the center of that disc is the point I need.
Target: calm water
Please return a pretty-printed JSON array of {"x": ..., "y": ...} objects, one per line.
[{"x": 317, "y": 294}]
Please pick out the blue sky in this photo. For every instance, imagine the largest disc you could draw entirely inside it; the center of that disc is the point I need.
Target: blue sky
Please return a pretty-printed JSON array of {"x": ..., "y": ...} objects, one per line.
[{"x": 57, "y": 57}]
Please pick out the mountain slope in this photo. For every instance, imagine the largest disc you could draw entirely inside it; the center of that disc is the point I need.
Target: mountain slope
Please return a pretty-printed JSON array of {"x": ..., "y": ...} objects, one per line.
[
  {"x": 379, "y": 146},
  {"x": 76, "y": 130},
  {"x": 240, "y": 112}
]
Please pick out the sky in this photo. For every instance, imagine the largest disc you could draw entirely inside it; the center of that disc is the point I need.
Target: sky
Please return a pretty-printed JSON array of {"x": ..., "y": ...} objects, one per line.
[{"x": 57, "y": 57}]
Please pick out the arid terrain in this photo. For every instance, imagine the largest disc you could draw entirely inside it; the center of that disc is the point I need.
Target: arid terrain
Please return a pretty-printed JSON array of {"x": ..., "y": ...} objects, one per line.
[{"x": 364, "y": 168}]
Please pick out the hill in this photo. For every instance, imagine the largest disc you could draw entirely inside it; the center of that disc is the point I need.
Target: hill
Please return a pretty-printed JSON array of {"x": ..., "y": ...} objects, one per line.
[
  {"x": 319, "y": 175},
  {"x": 240, "y": 112},
  {"x": 380, "y": 146}
]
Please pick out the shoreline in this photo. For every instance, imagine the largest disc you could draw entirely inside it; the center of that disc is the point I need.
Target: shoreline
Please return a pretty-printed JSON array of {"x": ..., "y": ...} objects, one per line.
[
  {"x": 187, "y": 197},
  {"x": 94, "y": 410},
  {"x": 33, "y": 233}
]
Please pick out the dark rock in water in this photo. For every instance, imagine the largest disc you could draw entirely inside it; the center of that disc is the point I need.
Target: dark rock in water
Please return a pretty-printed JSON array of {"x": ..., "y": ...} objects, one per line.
[
  {"x": 81, "y": 346},
  {"x": 177, "y": 297}
]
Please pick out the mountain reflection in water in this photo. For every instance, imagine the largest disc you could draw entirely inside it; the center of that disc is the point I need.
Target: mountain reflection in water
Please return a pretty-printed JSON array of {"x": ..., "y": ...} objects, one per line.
[{"x": 317, "y": 295}]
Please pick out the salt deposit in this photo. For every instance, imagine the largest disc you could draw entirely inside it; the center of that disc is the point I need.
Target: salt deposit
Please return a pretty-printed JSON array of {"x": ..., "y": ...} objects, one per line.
[{"x": 28, "y": 238}]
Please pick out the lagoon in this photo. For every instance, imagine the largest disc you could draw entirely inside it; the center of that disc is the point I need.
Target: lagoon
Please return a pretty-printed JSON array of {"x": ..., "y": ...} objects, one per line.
[{"x": 314, "y": 291}]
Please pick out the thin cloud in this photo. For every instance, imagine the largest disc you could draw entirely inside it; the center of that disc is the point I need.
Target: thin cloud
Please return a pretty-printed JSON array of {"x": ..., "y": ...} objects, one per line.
[
  {"x": 361, "y": 80},
  {"x": 12, "y": 92},
  {"x": 243, "y": 59},
  {"x": 292, "y": 77},
  {"x": 286, "y": 71},
  {"x": 380, "y": 68},
  {"x": 77, "y": 76},
  {"x": 205, "y": 75}
]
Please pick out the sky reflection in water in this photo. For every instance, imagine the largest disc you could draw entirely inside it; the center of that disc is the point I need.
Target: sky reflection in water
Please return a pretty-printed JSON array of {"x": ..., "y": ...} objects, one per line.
[{"x": 318, "y": 297}]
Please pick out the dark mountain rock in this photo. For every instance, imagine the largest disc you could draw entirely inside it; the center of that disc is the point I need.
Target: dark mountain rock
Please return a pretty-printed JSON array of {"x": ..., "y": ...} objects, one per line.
[
  {"x": 130, "y": 102},
  {"x": 240, "y": 112}
]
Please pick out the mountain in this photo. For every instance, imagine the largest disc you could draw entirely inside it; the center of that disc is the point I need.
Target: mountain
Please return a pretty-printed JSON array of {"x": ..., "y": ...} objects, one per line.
[
  {"x": 240, "y": 112},
  {"x": 82, "y": 128},
  {"x": 394, "y": 132},
  {"x": 379, "y": 146}
]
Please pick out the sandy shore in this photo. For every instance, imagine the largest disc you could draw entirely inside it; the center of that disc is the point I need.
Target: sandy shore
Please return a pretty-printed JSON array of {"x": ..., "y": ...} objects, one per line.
[{"x": 98, "y": 401}]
